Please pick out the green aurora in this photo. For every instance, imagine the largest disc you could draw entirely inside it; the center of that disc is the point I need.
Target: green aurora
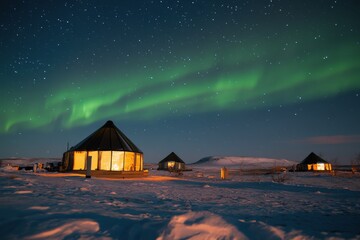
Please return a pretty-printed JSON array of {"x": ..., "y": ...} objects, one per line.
[
  {"x": 277, "y": 60},
  {"x": 229, "y": 82}
]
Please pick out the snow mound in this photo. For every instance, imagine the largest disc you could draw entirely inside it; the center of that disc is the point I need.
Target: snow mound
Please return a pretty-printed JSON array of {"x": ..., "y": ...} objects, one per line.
[
  {"x": 83, "y": 227},
  {"x": 242, "y": 162},
  {"x": 200, "y": 225}
]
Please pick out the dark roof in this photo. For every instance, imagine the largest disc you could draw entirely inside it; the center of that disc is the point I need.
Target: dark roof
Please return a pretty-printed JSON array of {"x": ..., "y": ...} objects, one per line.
[
  {"x": 313, "y": 158},
  {"x": 108, "y": 137},
  {"x": 172, "y": 157}
]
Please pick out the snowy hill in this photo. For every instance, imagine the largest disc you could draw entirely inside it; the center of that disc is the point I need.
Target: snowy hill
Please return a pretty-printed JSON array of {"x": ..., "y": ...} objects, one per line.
[
  {"x": 242, "y": 162},
  {"x": 23, "y": 162}
]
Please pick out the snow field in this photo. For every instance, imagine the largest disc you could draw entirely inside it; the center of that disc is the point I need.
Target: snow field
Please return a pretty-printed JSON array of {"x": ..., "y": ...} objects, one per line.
[{"x": 308, "y": 205}]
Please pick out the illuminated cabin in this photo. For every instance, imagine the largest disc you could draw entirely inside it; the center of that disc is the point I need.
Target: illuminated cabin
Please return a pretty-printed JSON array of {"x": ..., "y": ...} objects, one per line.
[
  {"x": 172, "y": 162},
  {"x": 110, "y": 149},
  {"x": 314, "y": 163}
]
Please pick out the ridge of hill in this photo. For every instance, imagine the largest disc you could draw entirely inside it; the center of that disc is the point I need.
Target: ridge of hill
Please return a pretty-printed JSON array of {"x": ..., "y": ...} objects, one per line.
[{"x": 242, "y": 162}]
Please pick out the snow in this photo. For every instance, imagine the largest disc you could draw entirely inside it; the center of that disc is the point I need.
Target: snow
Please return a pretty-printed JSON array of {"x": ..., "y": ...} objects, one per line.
[
  {"x": 196, "y": 205},
  {"x": 200, "y": 225},
  {"x": 242, "y": 162},
  {"x": 77, "y": 226}
]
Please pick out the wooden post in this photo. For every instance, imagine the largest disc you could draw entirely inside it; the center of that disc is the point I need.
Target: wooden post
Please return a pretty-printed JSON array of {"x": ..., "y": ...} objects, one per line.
[
  {"x": 223, "y": 173},
  {"x": 88, "y": 167}
]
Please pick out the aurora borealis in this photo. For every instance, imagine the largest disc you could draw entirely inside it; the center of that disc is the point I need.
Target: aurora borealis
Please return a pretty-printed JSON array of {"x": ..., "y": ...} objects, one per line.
[{"x": 198, "y": 78}]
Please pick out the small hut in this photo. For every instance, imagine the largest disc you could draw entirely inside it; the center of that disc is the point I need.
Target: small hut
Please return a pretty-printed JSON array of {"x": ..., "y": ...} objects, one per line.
[
  {"x": 314, "y": 163},
  {"x": 172, "y": 162},
  {"x": 111, "y": 151}
]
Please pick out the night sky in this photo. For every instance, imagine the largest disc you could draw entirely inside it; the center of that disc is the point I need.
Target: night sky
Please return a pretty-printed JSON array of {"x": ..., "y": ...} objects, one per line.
[{"x": 269, "y": 78}]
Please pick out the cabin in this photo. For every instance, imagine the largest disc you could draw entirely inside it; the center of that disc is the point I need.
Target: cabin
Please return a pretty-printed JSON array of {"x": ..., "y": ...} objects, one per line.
[
  {"x": 313, "y": 163},
  {"x": 172, "y": 163},
  {"x": 111, "y": 152}
]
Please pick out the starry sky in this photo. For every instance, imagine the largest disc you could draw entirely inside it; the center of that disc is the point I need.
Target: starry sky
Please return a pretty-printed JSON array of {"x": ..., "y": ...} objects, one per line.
[{"x": 259, "y": 78}]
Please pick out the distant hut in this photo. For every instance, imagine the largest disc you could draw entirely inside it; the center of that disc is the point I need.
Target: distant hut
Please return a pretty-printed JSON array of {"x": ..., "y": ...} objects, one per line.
[
  {"x": 172, "y": 162},
  {"x": 110, "y": 149},
  {"x": 314, "y": 163}
]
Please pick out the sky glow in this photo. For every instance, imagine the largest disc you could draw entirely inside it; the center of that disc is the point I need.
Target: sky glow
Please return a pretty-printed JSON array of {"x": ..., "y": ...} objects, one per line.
[{"x": 69, "y": 66}]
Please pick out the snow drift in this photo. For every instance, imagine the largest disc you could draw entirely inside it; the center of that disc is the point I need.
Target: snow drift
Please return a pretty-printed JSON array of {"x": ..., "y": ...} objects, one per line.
[{"x": 200, "y": 225}]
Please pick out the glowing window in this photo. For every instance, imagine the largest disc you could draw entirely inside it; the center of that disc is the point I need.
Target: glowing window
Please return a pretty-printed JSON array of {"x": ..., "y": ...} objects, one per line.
[
  {"x": 320, "y": 166},
  {"x": 129, "y": 161},
  {"x": 138, "y": 162},
  {"x": 105, "y": 160},
  {"x": 171, "y": 164},
  {"x": 117, "y": 161},
  {"x": 328, "y": 166},
  {"x": 79, "y": 160}
]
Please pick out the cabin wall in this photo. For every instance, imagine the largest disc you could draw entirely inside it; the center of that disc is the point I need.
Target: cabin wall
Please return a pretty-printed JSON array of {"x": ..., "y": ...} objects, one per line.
[
  {"x": 67, "y": 161},
  {"x": 104, "y": 160},
  {"x": 314, "y": 167},
  {"x": 171, "y": 165},
  {"x": 179, "y": 166},
  {"x": 162, "y": 166}
]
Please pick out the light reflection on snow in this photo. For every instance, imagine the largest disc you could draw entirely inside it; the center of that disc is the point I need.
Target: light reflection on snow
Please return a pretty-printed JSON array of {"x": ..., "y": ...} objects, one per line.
[
  {"x": 82, "y": 227},
  {"x": 58, "y": 205}
]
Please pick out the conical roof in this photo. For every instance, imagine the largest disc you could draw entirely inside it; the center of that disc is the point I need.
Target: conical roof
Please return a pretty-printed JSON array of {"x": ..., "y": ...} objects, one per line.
[
  {"x": 108, "y": 137},
  {"x": 313, "y": 158},
  {"x": 172, "y": 157}
]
